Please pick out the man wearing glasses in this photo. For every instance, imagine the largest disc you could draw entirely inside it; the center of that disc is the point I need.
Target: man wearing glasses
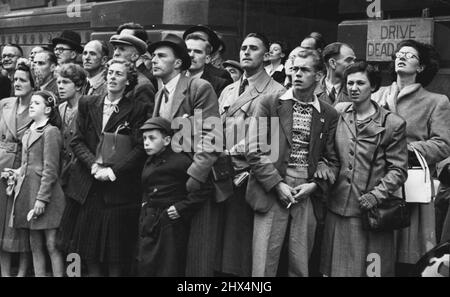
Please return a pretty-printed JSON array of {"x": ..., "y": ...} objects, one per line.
[
  {"x": 10, "y": 54},
  {"x": 67, "y": 47}
]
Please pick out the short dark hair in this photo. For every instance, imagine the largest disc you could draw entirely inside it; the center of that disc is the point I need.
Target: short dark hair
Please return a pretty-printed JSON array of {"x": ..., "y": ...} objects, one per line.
[
  {"x": 196, "y": 36},
  {"x": 18, "y": 47},
  {"x": 332, "y": 50},
  {"x": 74, "y": 72},
  {"x": 319, "y": 40},
  {"x": 138, "y": 29},
  {"x": 50, "y": 56},
  {"x": 104, "y": 49},
  {"x": 261, "y": 37},
  {"x": 428, "y": 58},
  {"x": 372, "y": 72},
  {"x": 317, "y": 58},
  {"x": 50, "y": 100},
  {"x": 26, "y": 68}
]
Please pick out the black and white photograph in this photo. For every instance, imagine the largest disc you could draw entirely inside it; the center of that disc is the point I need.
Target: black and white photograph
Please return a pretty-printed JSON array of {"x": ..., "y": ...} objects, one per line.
[{"x": 225, "y": 144}]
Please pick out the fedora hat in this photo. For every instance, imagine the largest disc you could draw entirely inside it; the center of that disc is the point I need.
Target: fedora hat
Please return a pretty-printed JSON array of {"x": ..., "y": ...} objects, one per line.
[
  {"x": 129, "y": 39},
  {"x": 212, "y": 36},
  {"x": 71, "y": 38},
  {"x": 178, "y": 45},
  {"x": 234, "y": 64}
]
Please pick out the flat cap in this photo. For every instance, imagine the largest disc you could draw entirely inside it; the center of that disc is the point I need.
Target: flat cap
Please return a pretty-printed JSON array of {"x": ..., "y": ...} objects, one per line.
[{"x": 157, "y": 123}]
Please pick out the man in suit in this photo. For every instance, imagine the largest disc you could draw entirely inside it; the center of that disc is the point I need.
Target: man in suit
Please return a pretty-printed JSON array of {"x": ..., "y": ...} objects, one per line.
[
  {"x": 336, "y": 56},
  {"x": 283, "y": 183},
  {"x": 179, "y": 100},
  {"x": 215, "y": 43},
  {"x": 10, "y": 55},
  {"x": 95, "y": 56},
  {"x": 45, "y": 64},
  {"x": 67, "y": 46},
  {"x": 130, "y": 48},
  {"x": 200, "y": 50},
  {"x": 237, "y": 105}
]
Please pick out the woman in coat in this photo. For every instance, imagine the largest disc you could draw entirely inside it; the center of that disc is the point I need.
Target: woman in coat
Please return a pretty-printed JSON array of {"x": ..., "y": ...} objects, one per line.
[
  {"x": 363, "y": 129},
  {"x": 106, "y": 227},
  {"x": 427, "y": 116},
  {"x": 275, "y": 69},
  {"x": 14, "y": 121}
]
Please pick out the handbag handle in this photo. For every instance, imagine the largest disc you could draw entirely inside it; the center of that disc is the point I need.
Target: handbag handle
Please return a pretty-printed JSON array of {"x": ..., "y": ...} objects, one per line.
[
  {"x": 422, "y": 162},
  {"x": 120, "y": 127}
]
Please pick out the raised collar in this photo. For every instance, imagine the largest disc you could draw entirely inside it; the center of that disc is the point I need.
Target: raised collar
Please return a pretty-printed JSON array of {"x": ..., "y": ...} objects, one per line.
[{"x": 289, "y": 95}]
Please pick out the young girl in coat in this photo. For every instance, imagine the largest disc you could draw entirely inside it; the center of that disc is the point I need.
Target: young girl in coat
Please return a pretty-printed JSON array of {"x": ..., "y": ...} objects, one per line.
[{"x": 39, "y": 200}]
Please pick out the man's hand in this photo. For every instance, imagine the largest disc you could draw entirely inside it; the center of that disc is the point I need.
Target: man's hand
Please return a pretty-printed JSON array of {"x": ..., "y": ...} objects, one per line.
[
  {"x": 193, "y": 185},
  {"x": 173, "y": 213},
  {"x": 102, "y": 175},
  {"x": 304, "y": 190},
  {"x": 324, "y": 172},
  {"x": 95, "y": 167},
  {"x": 284, "y": 193}
]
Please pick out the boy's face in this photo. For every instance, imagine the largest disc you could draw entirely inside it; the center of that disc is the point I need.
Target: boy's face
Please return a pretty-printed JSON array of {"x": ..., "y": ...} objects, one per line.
[{"x": 155, "y": 141}]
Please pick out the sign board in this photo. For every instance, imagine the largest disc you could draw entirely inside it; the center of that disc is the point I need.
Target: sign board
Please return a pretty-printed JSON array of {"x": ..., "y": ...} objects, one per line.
[{"x": 384, "y": 35}]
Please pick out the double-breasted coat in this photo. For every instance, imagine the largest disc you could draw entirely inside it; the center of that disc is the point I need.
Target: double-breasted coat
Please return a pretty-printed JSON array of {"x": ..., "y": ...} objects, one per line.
[{"x": 39, "y": 179}]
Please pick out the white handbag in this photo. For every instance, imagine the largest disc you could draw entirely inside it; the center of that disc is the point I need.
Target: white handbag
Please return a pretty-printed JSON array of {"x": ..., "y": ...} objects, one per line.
[{"x": 419, "y": 185}]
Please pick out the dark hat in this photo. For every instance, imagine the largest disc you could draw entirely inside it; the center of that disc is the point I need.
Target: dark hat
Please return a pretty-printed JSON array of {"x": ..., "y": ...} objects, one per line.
[
  {"x": 177, "y": 44},
  {"x": 212, "y": 36},
  {"x": 234, "y": 64},
  {"x": 157, "y": 123},
  {"x": 129, "y": 39},
  {"x": 71, "y": 38}
]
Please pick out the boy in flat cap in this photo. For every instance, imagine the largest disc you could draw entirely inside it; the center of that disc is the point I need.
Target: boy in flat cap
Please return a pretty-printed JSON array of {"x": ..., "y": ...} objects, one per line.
[{"x": 167, "y": 205}]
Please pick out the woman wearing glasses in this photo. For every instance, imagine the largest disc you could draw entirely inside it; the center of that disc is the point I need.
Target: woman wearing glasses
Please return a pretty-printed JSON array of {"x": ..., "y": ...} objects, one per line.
[
  {"x": 427, "y": 116},
  {"x": 14, "y": 121}
]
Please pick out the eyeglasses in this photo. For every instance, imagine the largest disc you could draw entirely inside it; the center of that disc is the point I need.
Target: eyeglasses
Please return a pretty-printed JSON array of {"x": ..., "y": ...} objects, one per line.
[
  {"x": 407, "y": 55},
  {"x": 61, "y": 49},
  {"x": 9, "y": 56}
]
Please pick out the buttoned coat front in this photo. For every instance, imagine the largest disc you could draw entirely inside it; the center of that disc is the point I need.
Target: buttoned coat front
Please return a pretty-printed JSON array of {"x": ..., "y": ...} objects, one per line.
[
  {"x": 356, "y": 150},
  {"x": 38, "y": 179}
]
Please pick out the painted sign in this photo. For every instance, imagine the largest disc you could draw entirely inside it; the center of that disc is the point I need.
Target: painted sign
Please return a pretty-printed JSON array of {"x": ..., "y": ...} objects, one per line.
[{"x": 383, "y": 36}]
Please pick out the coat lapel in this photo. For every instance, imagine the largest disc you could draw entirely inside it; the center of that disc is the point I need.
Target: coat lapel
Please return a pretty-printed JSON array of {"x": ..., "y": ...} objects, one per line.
[
  {"x": 31, "y": 138},
  {"x": 285, "y": 114},
  {"x": 97, "y": 114},
  {"x": 349, "y": 120},
  {"x": 125, "y": 105},
  {"x": 251, "y": 93},
  {"x": 179, "y": 95},
  {"x": 9, "y": 114},
  {"x": 317, "y": 122}
]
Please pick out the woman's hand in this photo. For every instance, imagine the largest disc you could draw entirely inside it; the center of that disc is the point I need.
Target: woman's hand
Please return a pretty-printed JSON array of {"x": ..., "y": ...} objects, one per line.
[
  {"x": 39, "y": 208},
  {"x": 173, "y": 213},
  {"x": 367, "y": 201}
]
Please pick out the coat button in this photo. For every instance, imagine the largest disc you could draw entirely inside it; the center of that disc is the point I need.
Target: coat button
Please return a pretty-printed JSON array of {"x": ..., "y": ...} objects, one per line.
[
  {"x": 350, "y": 167},
  {"x": 352, "y": 153},
  {"x": 3, "y": 137}
]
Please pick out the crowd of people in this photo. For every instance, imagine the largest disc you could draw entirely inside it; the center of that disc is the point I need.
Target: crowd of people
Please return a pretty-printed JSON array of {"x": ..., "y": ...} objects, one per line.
[{"x": 92, "y": 163}]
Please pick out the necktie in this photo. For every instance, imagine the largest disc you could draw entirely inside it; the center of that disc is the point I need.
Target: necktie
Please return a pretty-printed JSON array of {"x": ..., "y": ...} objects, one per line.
[
  {"x": 165, "y": 95},
  {"x": 332, "y": 95},
  {"x": 88, "y": 90},
  {"x": 243, "y": 85}
]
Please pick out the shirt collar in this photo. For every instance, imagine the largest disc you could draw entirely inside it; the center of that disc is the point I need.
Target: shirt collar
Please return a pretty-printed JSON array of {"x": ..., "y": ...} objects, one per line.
[
  {"x": 107, "y": 101},
  {"x": 252, "y": 80},
  {"x": 172, "y": 84},
  {"x": 289, "y": 95},
  {"x": 197, "y": 75},
  {"x": 97, "y": 79},
  {"x": 330, "y": 86}
]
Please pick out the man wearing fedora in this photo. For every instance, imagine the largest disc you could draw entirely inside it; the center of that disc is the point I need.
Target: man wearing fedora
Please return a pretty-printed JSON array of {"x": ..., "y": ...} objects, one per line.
[
  {"x": 130, "y": 48},
  {"x": 200, "y": 51},
  {"x": 215, "y": 43},
  {"x": 178, "y": 99},
  {"x": 67, "y": 47}
]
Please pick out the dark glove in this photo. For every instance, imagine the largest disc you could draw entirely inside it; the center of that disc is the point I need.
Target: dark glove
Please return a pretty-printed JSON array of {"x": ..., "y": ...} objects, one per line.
[
  {"x": 367, "y": 201},
  {"x": 444, "y": 177}
]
